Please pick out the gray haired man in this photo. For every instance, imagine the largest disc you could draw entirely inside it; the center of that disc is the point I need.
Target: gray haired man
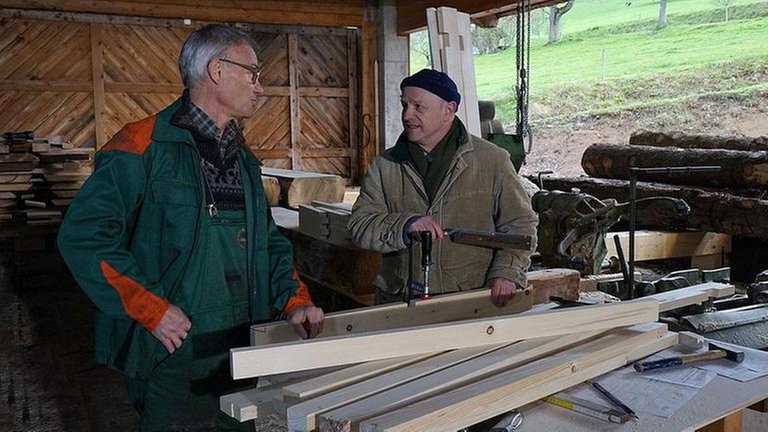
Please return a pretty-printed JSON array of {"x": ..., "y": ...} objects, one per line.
[{"x": 173, "y": 240}]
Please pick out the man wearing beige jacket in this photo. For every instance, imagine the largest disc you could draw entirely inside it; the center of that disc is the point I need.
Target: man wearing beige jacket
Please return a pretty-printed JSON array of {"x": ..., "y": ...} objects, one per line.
[{"x": 438, "y": 176}]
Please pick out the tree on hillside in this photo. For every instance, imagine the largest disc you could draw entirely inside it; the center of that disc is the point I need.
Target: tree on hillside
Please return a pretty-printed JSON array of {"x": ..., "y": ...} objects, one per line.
[
  {"x": 488, "y": 40},
  {"x": 727, "y": 5},
  {"x": 662, "y": 14},
  {"x": 555, "y": 13},
  {"x": 419, "y": 42}
]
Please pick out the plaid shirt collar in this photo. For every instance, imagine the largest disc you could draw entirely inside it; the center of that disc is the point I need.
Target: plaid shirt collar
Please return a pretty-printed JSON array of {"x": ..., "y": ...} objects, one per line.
[{"x": 218, "y": 151}]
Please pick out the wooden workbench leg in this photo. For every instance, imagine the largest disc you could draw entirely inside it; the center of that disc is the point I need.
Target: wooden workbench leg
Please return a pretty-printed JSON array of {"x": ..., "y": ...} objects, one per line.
[{"x": 731, "y": 423}]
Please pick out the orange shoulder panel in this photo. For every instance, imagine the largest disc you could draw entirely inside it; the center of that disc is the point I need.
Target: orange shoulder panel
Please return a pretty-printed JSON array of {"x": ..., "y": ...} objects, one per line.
[
  {"x": 140, "y": 304},
  {"x": 133, "y": 137},
  {"x": 301, "y": 298}
]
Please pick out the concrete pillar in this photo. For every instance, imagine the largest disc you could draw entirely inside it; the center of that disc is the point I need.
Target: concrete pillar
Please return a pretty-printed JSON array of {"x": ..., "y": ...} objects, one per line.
[{"x": 393, "y": 67}]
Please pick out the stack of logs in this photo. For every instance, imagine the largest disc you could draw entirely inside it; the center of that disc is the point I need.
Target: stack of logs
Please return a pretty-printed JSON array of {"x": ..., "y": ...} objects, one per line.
[{"x": 732, "y": 201}]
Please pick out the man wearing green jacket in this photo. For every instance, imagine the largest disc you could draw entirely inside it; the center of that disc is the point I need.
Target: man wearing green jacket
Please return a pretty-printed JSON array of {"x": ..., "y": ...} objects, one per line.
[
  {"x": 437, "y": 176},
  {"x": 173, "y": 240}
]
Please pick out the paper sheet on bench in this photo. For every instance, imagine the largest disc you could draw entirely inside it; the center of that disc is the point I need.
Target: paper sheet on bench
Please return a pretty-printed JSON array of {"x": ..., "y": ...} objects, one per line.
[{"x": 660, "y": 393}]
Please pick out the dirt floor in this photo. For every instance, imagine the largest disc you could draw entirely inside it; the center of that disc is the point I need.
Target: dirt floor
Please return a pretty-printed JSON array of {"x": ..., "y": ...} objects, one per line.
[{"x": 559, "y": 148}]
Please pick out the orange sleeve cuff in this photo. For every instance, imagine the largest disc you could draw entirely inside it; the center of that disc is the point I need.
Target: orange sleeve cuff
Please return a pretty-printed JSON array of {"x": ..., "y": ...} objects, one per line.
[
  {"x": 140, "y": 304},
  {"x": 301, "y": 298}
]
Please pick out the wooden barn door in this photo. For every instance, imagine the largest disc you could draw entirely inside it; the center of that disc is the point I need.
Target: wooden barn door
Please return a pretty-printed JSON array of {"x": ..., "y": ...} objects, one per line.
[
  {"x": 308, "y": 118},
  {"x": 86, "y": 80}
]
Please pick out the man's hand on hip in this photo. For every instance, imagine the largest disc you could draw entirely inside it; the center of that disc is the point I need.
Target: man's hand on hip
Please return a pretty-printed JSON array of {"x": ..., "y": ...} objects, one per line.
[
  {"x": 425, "y": 223},
  {"x": 502, "y": 290},
  {"x": 307, "y": 321},
  {"x": 173, "y": 328}
]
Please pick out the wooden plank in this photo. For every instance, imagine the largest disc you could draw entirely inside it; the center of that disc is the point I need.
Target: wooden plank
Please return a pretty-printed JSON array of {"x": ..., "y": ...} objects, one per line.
[
  {"x": 293, "y": 53},
  {"x": 654, "y": 245},
  {"x": 338, "y": 350},
  {"x": 440, "y": 309},
  {"x": 690, "y": 295},
  {"x": 290, "y": 12},
  {"x": 250, "y": 404},
  {"x": 14, "y": 178},
  {"x": 303, "y": 416},
  {"x": 451, "y": 45},
  {"x": 485, "y": 399},
  {"x": 143, "y": 87},
  {"x": 97, "y": 65},
  {"x": 46, "y": 85},
  {"x": 299, "y": 187},
  {"x": 326, "y": 383},
  {"x": 18, "y": 187},
  {"x": 348, "y": 417},
  {"x": 352, "y": 102}
]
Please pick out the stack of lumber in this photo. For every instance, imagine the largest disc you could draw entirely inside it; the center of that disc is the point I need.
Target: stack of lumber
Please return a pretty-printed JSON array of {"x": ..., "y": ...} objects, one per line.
[
  {"x": 326, "y": 221},
  {"x": 732, "y": 201},
  {"x": 303, "y": 187},
  {"x": 39, "y": 177},
  {"x": 439, "y": 376}
]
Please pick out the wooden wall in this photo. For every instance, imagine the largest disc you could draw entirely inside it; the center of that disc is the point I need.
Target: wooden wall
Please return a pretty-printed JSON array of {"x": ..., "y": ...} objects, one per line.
[{"x": 84, "y": 76}]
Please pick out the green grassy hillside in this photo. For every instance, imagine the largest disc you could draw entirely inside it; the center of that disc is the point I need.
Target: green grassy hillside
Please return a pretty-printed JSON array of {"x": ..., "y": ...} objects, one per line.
[{"x": 612, "y": 58}]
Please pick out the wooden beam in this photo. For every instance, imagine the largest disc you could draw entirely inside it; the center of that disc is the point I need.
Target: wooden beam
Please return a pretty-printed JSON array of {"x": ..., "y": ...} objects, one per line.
[
  {"x": 300, "y": 187},
  {"x": 97, "y": 68},
  {"x": 326, "y": 383},
  {"x": 654, "y": 245},
  {"x": 302, "y": 417},
  {"x": 451, "y": 45},
  {"x": 138, "y": 87},
  {"x": 293, "y": 79},
  {"x": 46, "y": 85},
  {"x": 369, "y": 139},
  {"x": 690, "y": 295},
  {"x": 411, "y": 14},
  {"x": 484, "y": 399},
  {"x": 353, "y": 105},
  {"x": 440, "y": 309},
  {"x": 251, "y": 362},
  {"x": 335, "y": 14},
  {"x": 348, "y": 417}
]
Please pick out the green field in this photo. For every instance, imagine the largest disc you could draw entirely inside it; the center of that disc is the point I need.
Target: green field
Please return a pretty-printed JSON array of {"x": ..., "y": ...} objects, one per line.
[{"x": 612, "y": 58}]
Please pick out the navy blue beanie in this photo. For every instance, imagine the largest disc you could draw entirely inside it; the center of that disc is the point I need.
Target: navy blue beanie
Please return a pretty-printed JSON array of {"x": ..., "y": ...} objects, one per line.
[{"x": 435, "y": 82}]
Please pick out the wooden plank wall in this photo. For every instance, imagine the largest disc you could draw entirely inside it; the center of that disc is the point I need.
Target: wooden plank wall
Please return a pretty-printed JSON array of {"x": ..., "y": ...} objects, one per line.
[
  {"x": 308, "y": 118},
  {"x": 84, "y": 76}
]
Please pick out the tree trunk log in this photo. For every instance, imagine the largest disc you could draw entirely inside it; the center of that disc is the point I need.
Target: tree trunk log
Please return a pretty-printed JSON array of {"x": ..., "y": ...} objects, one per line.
[
  {"x": 739, "y": 169},
  {"x": 679, "y": 139},
  {"x": 710, "y": 211}
]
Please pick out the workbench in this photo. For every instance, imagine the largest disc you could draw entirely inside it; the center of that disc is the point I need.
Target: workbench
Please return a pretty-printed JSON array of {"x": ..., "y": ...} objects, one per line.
[{"x": 715, "y": 408}]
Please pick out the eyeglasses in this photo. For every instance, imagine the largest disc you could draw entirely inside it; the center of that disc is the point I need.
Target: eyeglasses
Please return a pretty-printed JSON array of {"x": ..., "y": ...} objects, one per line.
[{"x": 254, "y": 70}]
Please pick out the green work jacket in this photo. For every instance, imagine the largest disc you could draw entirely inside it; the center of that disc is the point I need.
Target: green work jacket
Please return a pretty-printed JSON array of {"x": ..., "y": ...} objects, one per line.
[{"x": 131, "y": 230}]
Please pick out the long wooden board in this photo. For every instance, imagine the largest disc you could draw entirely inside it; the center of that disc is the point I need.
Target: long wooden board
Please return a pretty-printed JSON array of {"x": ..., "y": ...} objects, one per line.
[
  {"x": 302, "y": 417},
  {"x": 484, "y": 399},
  {"x": 310, "y": 354},
  {"x": 350, "y": 375},
  {"x": 691, "y": 295},
  {"x": 348, "y": 417},
  {"x": 444, "y": 308}
]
